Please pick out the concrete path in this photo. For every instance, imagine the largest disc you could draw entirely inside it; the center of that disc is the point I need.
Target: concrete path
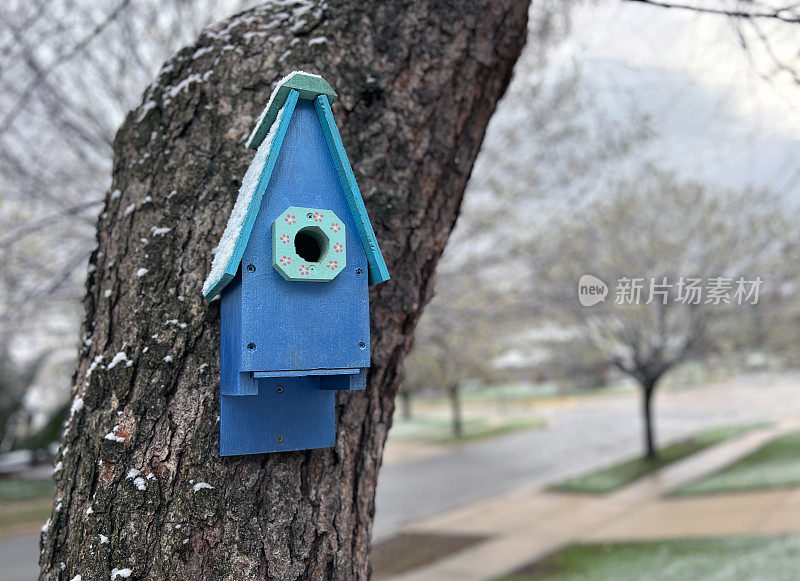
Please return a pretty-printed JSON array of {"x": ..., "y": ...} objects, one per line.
[{"x": 527, "y": 523}]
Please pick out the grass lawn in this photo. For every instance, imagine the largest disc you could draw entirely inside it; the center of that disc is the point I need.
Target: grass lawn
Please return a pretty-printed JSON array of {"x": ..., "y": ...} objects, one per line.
[
  {"x": 613, "y": 477},
  {"x": 24, "y": 504},
  {"x": 721, "y": 559},
  {"x": 14, "y": 489},
  {"x": 774, "y": 465}
]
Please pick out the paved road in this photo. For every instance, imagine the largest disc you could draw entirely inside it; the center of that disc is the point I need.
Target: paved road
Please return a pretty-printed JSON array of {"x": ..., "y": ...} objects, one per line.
[
  {"x": 19, "y": 557},
  {"x": 594, "y": 432}
]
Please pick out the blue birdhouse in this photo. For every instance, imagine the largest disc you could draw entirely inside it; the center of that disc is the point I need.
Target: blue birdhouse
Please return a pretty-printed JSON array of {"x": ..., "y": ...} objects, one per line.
[{"x": 292, "y": 271}]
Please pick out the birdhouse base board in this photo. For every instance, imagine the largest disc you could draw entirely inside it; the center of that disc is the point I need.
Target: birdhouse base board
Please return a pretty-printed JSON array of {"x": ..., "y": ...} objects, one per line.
[{"x": 289, "y": 413}]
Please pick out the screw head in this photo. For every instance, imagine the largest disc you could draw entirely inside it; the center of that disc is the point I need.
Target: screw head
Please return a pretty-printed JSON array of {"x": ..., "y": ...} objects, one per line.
[
  {"x": 279, "y": 439},
  {"x": 251, "y": 268},
  {"x": 251, "y": 346},
  {"x": 279, "y": 389},
  {"x": 362, "y": 345},
  {"x": 309, "y": 215},
  {"x": 359, "y": 272}
]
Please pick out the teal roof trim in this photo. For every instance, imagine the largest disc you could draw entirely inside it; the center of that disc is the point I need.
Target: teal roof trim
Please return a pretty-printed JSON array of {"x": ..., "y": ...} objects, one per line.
[
  {"x": 307, "y": 85},
  {"x": 378, "y": 272}
]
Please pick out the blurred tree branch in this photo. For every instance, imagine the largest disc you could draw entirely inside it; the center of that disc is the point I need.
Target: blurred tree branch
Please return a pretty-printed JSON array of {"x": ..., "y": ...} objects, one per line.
[{"x": 789, "y": 13}]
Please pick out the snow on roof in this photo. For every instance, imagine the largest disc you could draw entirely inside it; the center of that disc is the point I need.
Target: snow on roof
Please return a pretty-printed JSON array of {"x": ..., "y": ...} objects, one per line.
[
  {"x": 233, "y": 230},
  {"x": 280, "y": 84},
  {"x": 308, "y": 85}
]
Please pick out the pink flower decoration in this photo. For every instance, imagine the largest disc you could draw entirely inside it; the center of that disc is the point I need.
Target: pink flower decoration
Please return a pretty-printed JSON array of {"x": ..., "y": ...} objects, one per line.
[
  {"x": 335, "y": 227},
  {"x": 286, "y": 260},
  {"x": 318, "y": 217},
  {"x": 333, "y": 264},
  {"x": 304, "y": 269},
  {"x": 285, "y": 238},
  {"x": 337, "y": 247},
  {"x": 290, "y": 218}
]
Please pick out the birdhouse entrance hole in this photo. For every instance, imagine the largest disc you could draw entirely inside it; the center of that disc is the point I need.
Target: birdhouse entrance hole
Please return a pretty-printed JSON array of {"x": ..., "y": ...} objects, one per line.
[
  {"x": 311, "y": 244},
  {"x": 308, "y": 244}
]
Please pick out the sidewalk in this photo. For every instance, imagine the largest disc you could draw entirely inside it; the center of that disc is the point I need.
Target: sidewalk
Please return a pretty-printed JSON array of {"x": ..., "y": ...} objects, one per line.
[{"x": 527, "y": 524}]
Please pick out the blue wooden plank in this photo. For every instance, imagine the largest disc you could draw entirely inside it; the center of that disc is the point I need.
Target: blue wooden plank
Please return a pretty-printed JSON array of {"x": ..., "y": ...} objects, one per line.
[
  {"x": 295, "y": 324},
  {"x": 231, "y": 380},
  {"x": 377, "y": 266},
  {"x": 304, "y": 373},
  {"x": 255, "y": 203},
  {"x": 345, "y": 382},
  {"x": 298, "y": 416}
]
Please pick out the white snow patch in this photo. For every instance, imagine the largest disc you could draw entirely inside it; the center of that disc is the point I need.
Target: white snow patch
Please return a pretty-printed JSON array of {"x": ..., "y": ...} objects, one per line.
[
  {"x": 58, "y": 467},
  {"x": 224, "y": 250},
  {"x": 168, "y": 358},
  {"x": 118, "y": 358},
  {"x": 116, "y": 193},
  {"x": 141, "y": 272},
  {"x": 202, "y": 368},
  {"x": 46, "y": 526},
  {"x": 129, "y": 209},
  {"x": 77, "y": 405},
  {"x": 113, "y": 436},
  {"x": 107, "y": 293},
  {"x": 202, "y": 486},
  {"x": 201, "y": 51},
  {"x": 95, "y": 362},
  {"x": 90, "y": 510},
  {"x": 76, "y": 578},
  {"x": 139, "y": 483},
  {"x": 317, "y": 40},
  {"x": 133, "y": 473},
  {"x": 124, "y": 573},
  {"x": 160, "y": 230},
  {"x": 104, "y": 540}
]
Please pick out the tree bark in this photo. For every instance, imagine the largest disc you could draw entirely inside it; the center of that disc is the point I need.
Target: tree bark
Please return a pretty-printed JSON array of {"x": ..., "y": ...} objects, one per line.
[
  {"x": 648, "y": 387},
  {"x": 405, "y": 404},
  {"x": 140, "y": 483},
  {"x": 455, "y": 409}
]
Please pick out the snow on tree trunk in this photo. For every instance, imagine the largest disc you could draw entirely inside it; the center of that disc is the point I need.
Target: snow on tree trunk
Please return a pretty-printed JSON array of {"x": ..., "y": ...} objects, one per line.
[{"x": 142, "y": 486}]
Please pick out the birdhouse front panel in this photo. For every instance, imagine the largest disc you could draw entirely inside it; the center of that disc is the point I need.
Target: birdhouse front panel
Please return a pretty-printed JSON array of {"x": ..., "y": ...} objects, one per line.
[
  {"x": 292, "y": 271},
  {"x": 318, "y": 324}
]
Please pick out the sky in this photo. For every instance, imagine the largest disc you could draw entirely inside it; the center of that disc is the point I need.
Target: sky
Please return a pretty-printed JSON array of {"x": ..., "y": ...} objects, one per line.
[{"x": 717, "y": 118}]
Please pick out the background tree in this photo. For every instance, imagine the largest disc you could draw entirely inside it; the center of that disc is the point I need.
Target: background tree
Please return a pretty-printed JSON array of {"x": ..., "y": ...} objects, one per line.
[
  {"x": 139, "y": 455},
  {"x": 72, "y": 69},
  {"x": 653, "y": 228}
]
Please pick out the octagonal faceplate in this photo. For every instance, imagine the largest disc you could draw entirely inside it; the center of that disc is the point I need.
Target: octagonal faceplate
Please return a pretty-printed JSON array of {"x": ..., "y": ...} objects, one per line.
[{"x": 308, "y": 244}]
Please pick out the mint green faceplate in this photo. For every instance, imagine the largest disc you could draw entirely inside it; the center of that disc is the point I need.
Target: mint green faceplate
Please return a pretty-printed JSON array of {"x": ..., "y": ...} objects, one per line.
[{"x": 308, "y": 230}]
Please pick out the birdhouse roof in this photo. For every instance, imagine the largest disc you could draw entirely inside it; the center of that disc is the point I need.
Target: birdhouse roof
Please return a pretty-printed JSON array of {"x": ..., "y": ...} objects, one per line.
[{"x": 267, "y": 139}]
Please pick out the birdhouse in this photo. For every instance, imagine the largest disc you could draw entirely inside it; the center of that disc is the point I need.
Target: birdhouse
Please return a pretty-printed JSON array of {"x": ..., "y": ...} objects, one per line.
[{"x": 292, "y": 271}]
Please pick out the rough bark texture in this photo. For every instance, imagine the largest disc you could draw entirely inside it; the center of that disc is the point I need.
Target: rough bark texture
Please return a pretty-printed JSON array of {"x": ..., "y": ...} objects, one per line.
[{"x": 140, "y": 485}]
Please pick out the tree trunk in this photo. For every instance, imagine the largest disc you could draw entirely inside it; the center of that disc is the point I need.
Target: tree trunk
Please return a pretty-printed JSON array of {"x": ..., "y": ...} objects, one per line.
[
  {"x": 648, "y": 387},
  {"x": 140, "y": 484},
  {"x": 455, "y": 408},
  {"x": 405, "y": 404}
]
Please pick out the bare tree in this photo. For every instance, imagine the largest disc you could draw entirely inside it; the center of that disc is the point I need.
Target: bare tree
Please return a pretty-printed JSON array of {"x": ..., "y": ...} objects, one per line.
[
  {"x": 769, "y": 29},
  {"x": 667, "y": 245},
  {"x": 71, "y": 71},
  {"x": 140, "y": 462}
]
